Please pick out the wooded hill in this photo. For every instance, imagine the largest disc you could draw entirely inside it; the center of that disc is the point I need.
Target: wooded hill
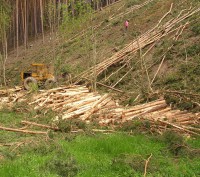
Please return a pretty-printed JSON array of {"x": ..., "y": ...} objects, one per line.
[
  {"x": 170, "y": 62},
  {"x": 28, "y": 18}
]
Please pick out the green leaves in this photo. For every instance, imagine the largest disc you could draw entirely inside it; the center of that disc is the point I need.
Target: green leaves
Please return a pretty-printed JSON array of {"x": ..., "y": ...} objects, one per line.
[{"x": 5, "y": 11}]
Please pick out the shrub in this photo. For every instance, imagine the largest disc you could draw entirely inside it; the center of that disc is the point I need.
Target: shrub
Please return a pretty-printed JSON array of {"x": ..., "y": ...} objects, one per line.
[
  {"x": 132, "y": 3},
  {"x": 65, "y": 167},
  {"x": 174, "y": 141},
  {"x": 64, "y": 126},
  {"x": 136, "y": 126},
  {"x": 196, "y": 29},
  {"x": 134, "y": 163},
  {"x": 193, "y": 50},
  {"x": 116, "y": 22}
]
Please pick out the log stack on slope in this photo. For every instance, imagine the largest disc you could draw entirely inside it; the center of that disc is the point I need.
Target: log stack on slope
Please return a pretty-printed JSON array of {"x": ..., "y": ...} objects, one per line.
[
  {"x": 76, "y": 102},
  {"x": 10, "y": 96},
  {"x": 73, "y": 102}
]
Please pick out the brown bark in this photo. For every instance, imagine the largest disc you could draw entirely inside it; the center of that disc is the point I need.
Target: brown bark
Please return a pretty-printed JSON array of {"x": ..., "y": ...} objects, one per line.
[
  {"x": 39, "y": 125},
  {"x": 41, "y": 18},
  {"x": 22, "y": 131},
  {"x": 17, "y": 24},
  {"x": 25, "y": 24}
]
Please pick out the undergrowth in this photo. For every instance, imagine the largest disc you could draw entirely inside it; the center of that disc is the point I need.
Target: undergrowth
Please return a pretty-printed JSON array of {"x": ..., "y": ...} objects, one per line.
[{"x": 116, "y": 154}]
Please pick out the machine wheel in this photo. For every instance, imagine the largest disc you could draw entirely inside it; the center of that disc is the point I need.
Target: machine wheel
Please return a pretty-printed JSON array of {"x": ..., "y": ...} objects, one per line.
[
  {"x": 50, "y": 83},
  {"x": 30, "y": 83}
]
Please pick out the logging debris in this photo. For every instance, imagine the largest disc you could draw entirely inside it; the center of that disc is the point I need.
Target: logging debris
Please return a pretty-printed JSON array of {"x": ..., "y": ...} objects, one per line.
[
  {"x": 158, "y": 32},
  {"x": 77, "y": 102}
]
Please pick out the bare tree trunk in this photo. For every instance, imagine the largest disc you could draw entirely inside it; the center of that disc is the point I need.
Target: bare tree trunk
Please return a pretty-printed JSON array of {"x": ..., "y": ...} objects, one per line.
[
  {"x": 95, "y": 61},
  {"x": 17, "y": 25},
  {"x": 54, "y": 15},
  {"x": 5, "y": 59},
  {"x": 5, "y": 54},
  {"x": 97, "y": 4},
  {"x": 42, "y": 22},
  {"x": 66, "y": 2},
  {"x": 25, "y": 25},
  {"x": 59, "y": 8},
  {"x": 22, "y": 12},
  {"x": 35, "y": 18},
  {"x": 72, "y": 6}
]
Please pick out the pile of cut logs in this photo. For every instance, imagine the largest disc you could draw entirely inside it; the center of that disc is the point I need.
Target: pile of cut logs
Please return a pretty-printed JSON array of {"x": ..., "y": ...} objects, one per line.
[
  {"x": 76, "y": 102},
  {"x": 10, "y": 96},
  {"x": 73, "y": 102}
]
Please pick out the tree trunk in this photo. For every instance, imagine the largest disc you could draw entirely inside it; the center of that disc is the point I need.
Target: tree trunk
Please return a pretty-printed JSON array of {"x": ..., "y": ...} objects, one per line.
[
  {"x": 35, "y": 19},
  {"x": 17, "y": 25},
  {"x": 25, "y": 25},
  {"x": 41, "y": 17},
  {"x": 59, "y": 8},
  {"x": 5, "y": 58}
]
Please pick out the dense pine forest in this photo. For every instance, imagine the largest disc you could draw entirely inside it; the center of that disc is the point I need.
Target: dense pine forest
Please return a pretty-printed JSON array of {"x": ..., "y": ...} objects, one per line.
[{"x": 22, "y": 19}]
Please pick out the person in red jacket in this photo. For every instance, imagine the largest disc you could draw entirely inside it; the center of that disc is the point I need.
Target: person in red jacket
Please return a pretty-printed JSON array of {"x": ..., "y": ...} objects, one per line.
[{"x": 126, "y": 24}]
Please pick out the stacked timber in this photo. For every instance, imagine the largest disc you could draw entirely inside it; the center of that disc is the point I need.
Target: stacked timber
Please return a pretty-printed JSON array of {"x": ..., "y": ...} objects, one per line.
[
  {"x": 9, "y": 91},
  {"x": 10, "y": 96},
  {"x": 160, "y": 114},
  {"x": 73, "y": 102},
  {"x": 77, "y": 102}
]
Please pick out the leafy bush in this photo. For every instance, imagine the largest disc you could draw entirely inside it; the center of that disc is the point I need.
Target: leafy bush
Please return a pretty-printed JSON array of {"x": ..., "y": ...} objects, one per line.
[
  {"x": 136, "y": 126},
  {"x": 174, "y": 141},
  {"x": 116, "y": 22},
  {"x": 132, "y": 3},
  {"x": 194, "y": 50},
  {"x": 64, "y": 126},
  {"x": 196, "y": 29},
  {"x": 64, "y": 167},
  {"x": 178, "y": 146},
  {"x": 134, "y": 163}
]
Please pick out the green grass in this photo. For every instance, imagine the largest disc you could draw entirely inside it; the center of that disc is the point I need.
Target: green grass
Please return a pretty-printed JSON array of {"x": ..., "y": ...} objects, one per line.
[{"x": 101, "y": 156}]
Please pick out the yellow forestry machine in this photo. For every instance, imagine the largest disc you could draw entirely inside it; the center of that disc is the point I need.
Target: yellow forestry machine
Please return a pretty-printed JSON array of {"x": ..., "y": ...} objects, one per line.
[{"x": 38, "y": 74}]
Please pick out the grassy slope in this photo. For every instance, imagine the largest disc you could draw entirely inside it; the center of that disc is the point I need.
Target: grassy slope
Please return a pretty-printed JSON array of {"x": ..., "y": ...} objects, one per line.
[{"x": 89, "y": 154}]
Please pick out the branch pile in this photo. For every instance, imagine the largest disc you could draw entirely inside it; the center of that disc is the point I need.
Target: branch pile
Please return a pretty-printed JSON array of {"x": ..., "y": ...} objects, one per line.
[
  {"x": 10, "y": 96},
  {"x": 155, "y": 34},
  {"x": 76, "y": 102}
]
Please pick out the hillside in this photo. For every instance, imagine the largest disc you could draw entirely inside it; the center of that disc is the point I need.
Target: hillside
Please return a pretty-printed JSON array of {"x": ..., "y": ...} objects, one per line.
[
  {"x": 74, "y": 52},
  {"x": 126, "y": 103}
]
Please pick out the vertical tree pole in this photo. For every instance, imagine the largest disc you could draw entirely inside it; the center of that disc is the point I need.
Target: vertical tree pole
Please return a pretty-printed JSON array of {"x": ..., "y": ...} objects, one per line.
[
  {"x": 66, "y": 2},
  {"x": 72, "y": 6},
  {"x": 22, "y": 17},
  {"x": 25, "y": 24},
  {"x": 17, "y": 25},
  {"x": 59, "y": 8},
  {"x": 5, "y": 56},
  {"x": 35, "y": 18},
  {"x": 27, "y": 7},
  {"x": 95, "y": 60},
  {"x": 42, "y": 22}
]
